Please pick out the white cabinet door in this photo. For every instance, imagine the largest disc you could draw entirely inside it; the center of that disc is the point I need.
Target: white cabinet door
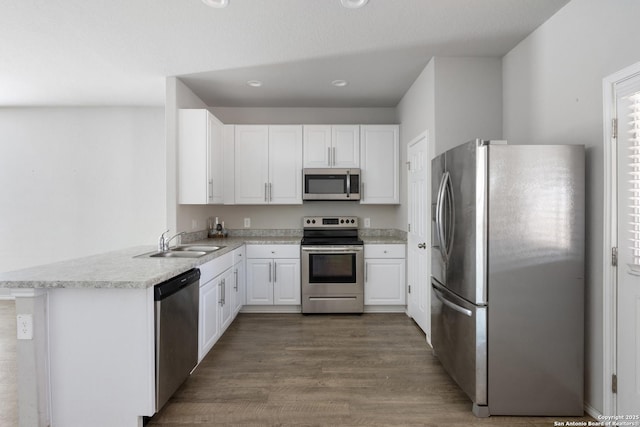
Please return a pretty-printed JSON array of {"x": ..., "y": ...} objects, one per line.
[
  {"x": 384, "y": 281},
  {"x": 286, "y": 287},
  {"x": 239, "y": 287},
  {"x": 251, "y": 164},
  {"x": 285, "y": 165},
  {"x": 328, "y": 146},
  {"x": 200, "y": 169},
  {"x": 380, "y": 163},
  {"x": 209, "y": 325},
  {"x": 259, "y": 290},
  {"x": 216, "y": 169},
  {"x": 346, "y": 146},
  {"x": 225, "y": 284},
  {"x": 316, "y": 146},
  {"x": 228, "y": 179}
]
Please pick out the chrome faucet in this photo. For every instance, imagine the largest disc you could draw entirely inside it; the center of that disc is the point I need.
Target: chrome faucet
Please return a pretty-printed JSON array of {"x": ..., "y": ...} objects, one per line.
[{"x": 163, "y": 241}]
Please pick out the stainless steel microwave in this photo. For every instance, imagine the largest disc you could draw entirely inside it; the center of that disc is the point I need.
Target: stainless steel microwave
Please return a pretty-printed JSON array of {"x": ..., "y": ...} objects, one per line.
[{"x": 331, "y": 184}]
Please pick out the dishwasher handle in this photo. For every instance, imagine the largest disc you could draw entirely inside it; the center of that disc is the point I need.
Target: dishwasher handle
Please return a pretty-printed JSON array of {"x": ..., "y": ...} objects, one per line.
[{"x": 171, "y": 286}]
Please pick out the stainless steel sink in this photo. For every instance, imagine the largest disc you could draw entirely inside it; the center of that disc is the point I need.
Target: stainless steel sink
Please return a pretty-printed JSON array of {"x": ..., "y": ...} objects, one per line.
[
  {"x": 197, "y": 248},
  {"x": 178, "y": 254},
  {"x": 184, "y": 251}
]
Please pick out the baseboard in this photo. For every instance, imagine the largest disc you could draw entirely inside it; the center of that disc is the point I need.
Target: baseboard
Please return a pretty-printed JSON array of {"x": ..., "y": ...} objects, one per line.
[
  {"x": 590, "y": 410},
  {"x": 298, "y": 309},
  {"x": 385, "y": 309},
  {"x": 271, "y": 309}
]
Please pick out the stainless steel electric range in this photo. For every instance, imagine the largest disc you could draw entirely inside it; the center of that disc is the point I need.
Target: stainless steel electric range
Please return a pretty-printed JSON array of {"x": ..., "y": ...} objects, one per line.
[{"x": 332, "y": 265}]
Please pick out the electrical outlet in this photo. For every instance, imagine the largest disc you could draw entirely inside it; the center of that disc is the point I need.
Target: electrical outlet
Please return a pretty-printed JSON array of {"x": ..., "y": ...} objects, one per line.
[
  {"x": 194, "y": 224},
  {"x": 25, "y": 326},
  {"x": 367, "y": 222},
  {"x": 247, "y": 222}
]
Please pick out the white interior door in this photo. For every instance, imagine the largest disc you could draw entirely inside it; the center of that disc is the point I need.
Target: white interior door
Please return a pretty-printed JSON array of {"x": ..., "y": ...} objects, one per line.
[
  {"x": 418, "y": 238},
  {"x": 627, "y": 95}
]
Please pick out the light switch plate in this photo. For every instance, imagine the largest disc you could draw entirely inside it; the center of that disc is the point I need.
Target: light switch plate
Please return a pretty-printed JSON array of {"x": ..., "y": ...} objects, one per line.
[
  {"x": 247, "y": 222},
  {"x": 25, "y": 326},
  {"x": 367, "y": 222}
]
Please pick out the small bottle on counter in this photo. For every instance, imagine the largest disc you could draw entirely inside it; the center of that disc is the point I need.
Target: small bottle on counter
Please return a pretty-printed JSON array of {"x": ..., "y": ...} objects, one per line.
[{"x": 225, "y": 233}]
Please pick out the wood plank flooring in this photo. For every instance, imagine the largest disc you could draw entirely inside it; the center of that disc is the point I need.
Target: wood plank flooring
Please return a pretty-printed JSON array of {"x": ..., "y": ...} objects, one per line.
[
  {"x": 324, "y": 370},
  {"x": 294, "y": 370}
]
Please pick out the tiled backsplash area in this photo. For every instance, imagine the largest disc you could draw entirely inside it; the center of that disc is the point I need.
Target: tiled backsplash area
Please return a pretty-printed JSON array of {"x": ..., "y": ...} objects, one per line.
[{"x": 291, "y": 232}]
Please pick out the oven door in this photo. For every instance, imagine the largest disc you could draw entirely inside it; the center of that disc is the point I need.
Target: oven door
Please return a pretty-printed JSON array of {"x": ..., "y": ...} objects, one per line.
[{"x": 332, "y": 279}]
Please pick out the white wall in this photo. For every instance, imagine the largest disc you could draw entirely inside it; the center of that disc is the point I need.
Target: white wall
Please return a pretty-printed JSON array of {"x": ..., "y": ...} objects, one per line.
[
  {"x": 455, "y": 99},
  {"x": 468, "y": 100},
  {"x": 416, "y": 113},
  {"x": 78, "y": 181},
  {"x": 553, "y": 95}
]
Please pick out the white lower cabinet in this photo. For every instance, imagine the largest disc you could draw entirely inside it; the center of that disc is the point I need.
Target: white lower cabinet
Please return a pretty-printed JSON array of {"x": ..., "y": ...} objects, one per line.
[
  {"x": 273, "y": 275},
  {"x": 239, "y": 284},
  {"x": 216, "y": 311},
  {"x": 384, "y": 274},
  {"x": 208, "y": 327},
  {"x": 225, "y": 300}
]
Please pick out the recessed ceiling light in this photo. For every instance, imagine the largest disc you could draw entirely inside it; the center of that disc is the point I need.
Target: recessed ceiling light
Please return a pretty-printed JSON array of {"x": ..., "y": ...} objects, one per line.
[
  {"x": 216, "y": 3},
  {"x": 354, "y": 4},
  {"x": 339, "y": 83},
  {"x": 254, "y": 83}
]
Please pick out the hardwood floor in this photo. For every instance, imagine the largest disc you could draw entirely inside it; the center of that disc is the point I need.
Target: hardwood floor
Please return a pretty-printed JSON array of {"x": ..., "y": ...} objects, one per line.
[
  {"x": 8, "y": 379},
  {"x": 295, "y": 370}
]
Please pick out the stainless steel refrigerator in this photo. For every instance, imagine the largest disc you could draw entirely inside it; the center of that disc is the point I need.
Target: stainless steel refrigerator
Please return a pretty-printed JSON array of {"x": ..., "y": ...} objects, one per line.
[{"x": 507, "y": 265}]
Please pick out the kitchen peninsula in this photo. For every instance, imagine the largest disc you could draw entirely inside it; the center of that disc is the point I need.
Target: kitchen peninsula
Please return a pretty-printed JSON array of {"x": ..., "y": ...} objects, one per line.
[
  {"x": 87, "y": 354},
  {"x": 91, "y": 357}
]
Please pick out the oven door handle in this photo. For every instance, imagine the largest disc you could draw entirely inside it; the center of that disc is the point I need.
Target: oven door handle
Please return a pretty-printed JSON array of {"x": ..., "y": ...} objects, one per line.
[{"x": 327, "y": 249}]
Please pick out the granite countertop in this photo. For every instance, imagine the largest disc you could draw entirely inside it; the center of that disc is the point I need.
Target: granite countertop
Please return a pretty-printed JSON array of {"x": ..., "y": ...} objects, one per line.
[{"x": 125, "y": 269}]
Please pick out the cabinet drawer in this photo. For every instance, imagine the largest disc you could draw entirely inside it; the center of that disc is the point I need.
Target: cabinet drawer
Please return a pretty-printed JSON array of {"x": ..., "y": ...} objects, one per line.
[
  {"x": 211, "y": 269},
  {"x": 384, "y": 251},
  {"x": 239, "y": 254},
  {"x": 273, "y": 251}
]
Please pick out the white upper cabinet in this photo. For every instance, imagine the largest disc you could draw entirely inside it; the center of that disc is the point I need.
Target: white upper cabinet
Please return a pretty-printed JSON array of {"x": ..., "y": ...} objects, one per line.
[
  {"x": 200, "y": 158},
  {"x": 285, "y": 165},
  {"x": 379, "y": 164},
  {"x": 268, "y": 164},
  {"x": 327, "y": 146}
]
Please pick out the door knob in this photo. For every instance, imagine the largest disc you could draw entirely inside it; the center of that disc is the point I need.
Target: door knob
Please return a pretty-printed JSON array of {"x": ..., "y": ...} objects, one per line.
[{"x": 422, "y": 246}]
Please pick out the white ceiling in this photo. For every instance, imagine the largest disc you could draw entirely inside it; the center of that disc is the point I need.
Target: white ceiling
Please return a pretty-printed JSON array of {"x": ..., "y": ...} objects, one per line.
[{"x": 118, "y": 52}]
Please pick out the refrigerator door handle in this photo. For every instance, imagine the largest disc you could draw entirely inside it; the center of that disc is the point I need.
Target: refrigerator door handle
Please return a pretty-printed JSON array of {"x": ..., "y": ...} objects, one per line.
[
  {"x": 440, "y": 217},
  {"x": 451, "y": 305},
  {"x": 451, "y": 215}
]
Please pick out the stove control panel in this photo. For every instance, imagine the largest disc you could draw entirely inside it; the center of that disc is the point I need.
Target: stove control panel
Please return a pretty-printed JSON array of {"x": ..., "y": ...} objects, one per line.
[{"x": 330, "y": 222}]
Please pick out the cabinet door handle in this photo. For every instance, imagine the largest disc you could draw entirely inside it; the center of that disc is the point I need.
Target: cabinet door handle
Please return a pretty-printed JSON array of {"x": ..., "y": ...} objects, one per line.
[
  {"x": 275, "y": 272},
  {"x": 334, "y": 156},
  {"x": 221, "y": 285},
  {"x": 265, "y": 192},
  {"x": 235, "y": 274},
  {"x": 270, "y": 191},
  {"x": 362, "y": 192},
  {"x": 366, "y": 268},
  {"x": 329, "y": 156},
  {"x": 422, "y": 245},
  {"x": 270, "y": 265},
  {"x": 210, "y": 190}
]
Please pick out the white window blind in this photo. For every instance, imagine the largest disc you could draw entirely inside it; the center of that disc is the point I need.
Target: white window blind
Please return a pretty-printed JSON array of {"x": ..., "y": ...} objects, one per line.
[{"x": 633, "y": 140}]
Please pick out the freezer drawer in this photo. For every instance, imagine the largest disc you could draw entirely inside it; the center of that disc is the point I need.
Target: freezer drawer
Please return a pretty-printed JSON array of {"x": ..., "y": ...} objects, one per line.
[{"x": 459, "y": 338}]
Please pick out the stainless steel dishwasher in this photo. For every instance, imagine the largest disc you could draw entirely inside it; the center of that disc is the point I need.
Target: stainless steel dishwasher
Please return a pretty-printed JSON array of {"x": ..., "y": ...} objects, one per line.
[{"x": 176, "y": 316}]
